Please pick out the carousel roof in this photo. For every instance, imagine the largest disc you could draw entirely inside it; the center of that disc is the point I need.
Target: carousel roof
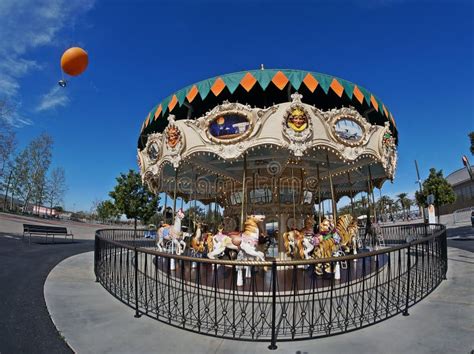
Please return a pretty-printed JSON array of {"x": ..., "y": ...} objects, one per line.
[{"x": 264, "y": 88}]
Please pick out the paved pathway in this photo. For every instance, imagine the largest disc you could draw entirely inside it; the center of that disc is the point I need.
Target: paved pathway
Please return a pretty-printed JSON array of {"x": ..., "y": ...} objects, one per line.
[
  {"x": 25, "y": 325},
  {"x": 92, "y": 321}
]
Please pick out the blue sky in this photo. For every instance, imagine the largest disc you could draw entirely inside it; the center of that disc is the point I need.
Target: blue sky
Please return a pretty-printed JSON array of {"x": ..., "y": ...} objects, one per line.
[{"x": 417, "y": 56}]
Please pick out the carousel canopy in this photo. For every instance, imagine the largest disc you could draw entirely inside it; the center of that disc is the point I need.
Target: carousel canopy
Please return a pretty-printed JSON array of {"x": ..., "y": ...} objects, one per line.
[{"x": 264, "y": 88}]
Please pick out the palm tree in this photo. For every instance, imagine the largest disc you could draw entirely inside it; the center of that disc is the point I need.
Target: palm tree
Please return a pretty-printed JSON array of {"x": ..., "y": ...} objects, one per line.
[
  {"x": 405, "y": 203},
  {"x": 384, "y": 204}
]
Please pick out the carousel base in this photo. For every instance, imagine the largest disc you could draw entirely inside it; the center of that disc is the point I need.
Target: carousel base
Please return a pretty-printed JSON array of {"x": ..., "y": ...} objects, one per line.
[{"x": 256, "y": 279}]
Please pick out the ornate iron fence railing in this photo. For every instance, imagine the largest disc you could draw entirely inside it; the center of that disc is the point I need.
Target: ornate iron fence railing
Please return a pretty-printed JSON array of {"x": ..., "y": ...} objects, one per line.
[{"x": 279, "y": 300}]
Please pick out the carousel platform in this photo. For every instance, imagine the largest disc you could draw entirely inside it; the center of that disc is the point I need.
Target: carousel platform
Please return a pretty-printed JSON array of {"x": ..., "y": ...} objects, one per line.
[
  {"x": 92, "y": 321},
  {"x": 290, "y": 278}
]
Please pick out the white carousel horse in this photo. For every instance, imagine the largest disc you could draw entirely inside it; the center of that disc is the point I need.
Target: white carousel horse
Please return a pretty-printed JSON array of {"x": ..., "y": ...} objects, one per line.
[
  {"x": 173, "y": 234},
  {"x": 245, "y": 242}
]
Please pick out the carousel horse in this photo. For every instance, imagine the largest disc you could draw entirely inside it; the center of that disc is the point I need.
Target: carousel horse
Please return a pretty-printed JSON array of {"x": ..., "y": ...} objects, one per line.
[
  {"x": 245, "y": 243},
  {"x": 329, "y": 241},
  {"x": 217, "y": 244},
  {"x": 173, "y": 234},
  {"x": 347, "y": 228},
  {"x": 292, "y": 241},
  {"x": 373, "y": 233},
  {"x": 310, "y": 241},
  {"x": 336, "y": 240},
  {"x": 197, "y": 245},
  {"x": 299, "y": 244}
]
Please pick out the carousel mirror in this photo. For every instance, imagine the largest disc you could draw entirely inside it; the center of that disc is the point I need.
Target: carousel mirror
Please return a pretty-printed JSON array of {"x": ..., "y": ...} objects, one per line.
[
  {"x": 348, "y": 130},
  {"x": 153, "y": 151},
  {"x": 229, "y": 126}
]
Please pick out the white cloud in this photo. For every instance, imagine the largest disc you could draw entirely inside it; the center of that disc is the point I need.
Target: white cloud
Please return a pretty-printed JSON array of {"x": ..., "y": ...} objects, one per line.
[
  {"x": 56, "y": 97},
  {"x": 26, "y": 25}
]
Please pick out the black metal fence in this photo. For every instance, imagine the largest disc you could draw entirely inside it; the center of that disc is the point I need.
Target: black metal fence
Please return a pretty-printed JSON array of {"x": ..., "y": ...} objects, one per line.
[{"x": 278, "y": 301}]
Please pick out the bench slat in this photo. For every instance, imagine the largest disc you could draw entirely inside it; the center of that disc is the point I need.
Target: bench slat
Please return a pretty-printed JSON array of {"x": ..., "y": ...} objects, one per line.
[{"x": 44, "y": 229}]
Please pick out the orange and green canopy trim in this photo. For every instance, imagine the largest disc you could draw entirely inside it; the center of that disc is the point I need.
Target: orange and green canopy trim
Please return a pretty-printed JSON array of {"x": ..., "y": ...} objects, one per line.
[{"x": 257, "y": 87}]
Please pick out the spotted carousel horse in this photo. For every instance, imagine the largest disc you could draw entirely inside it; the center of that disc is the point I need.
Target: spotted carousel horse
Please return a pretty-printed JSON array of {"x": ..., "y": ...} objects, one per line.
[{"x": 173, "y": 234}]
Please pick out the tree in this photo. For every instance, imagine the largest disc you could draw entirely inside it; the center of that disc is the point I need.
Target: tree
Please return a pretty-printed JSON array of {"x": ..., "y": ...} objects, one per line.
[
  {"x": 7, "y": 146},
  {"x": 134, "y": 199},
  {"x": 437, "y": 185},
  {"x": 405, "y": 203},
  {"x": 106, "y": 211},
  {"x": 30, "y": 168},
  {"x": 59, "y": 208},
  {"x": 55, "y": 187},
  {"x": 384, "y": 205},
  {"x": 193, "y": 214},
  {"x": 471, "y": 136},
  {"x": 20, "y": 177}
]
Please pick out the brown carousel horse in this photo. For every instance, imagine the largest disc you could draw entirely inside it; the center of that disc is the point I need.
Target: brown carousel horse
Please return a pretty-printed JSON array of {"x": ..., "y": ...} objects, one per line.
[
  {"x": 198, "y": 245},
  {"x": 299, "y": 244}
]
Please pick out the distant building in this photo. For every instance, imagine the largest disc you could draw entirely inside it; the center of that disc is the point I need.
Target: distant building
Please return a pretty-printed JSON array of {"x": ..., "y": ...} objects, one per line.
[
  {"x": 41, "y": 210},
  {"x": 463, "y": 187}
]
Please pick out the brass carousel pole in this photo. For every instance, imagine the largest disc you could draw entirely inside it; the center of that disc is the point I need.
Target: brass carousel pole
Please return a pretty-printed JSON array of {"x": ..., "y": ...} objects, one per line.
[
  {"x": 174, "y": 193},
  {"x": 371, "y": 191},
  {"x": 164, "y": 209},
  {"x": 319, "y": 195},
  {"x": 333, "y": 198},
  {"x": 351, "y": 192},
  {"x": 191, "y": 197},
  {"x": 302, "y": 196},
  {"x": 280, "y": 234},
  {"x": 244, "y": 192},
  {"x": 215, "y": 201},
  {"x": 293, "y": 195}
]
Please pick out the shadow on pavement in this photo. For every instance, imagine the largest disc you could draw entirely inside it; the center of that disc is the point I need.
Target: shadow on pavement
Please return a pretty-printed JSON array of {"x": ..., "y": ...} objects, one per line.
[{"x": 26, "y": 325}]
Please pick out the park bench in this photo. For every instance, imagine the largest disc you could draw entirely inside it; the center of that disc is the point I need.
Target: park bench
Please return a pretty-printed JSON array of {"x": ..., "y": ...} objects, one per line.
[{"x": 29, "y": 230}]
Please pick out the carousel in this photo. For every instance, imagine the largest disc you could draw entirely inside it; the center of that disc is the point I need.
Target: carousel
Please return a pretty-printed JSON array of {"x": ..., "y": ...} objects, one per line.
[
  {"x": 273, "y": 151},
  {"x": 269, "y": 153}
]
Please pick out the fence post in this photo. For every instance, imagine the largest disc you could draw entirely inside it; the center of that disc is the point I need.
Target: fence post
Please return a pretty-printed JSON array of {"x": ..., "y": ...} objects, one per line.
[
  {"x": 137, "y": 314},
  {"x": 444, "y": 252},
  {"x": 405, "y": 313},
  {"x": 96, "y": 257},
  {"x": 273, "y": 345}
]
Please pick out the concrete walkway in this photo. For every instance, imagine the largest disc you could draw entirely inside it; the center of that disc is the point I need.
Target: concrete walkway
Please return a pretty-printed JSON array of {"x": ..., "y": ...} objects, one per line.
[{"x": 93, "y": 321}]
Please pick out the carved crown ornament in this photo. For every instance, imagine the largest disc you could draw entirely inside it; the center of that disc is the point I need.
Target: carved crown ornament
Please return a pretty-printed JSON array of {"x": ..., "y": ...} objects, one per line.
[
  {"x": 174, "y": 141},
  {"x": 297, "y": 127}
]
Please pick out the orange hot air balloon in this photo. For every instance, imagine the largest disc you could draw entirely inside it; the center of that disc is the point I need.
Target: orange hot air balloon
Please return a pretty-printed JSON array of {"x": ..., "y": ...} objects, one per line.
[{"x": 74, "y": 61}]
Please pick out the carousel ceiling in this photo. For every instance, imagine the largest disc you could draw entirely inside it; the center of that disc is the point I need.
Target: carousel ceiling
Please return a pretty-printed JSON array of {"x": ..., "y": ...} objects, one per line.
[{"x": 264, "y": 88}]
